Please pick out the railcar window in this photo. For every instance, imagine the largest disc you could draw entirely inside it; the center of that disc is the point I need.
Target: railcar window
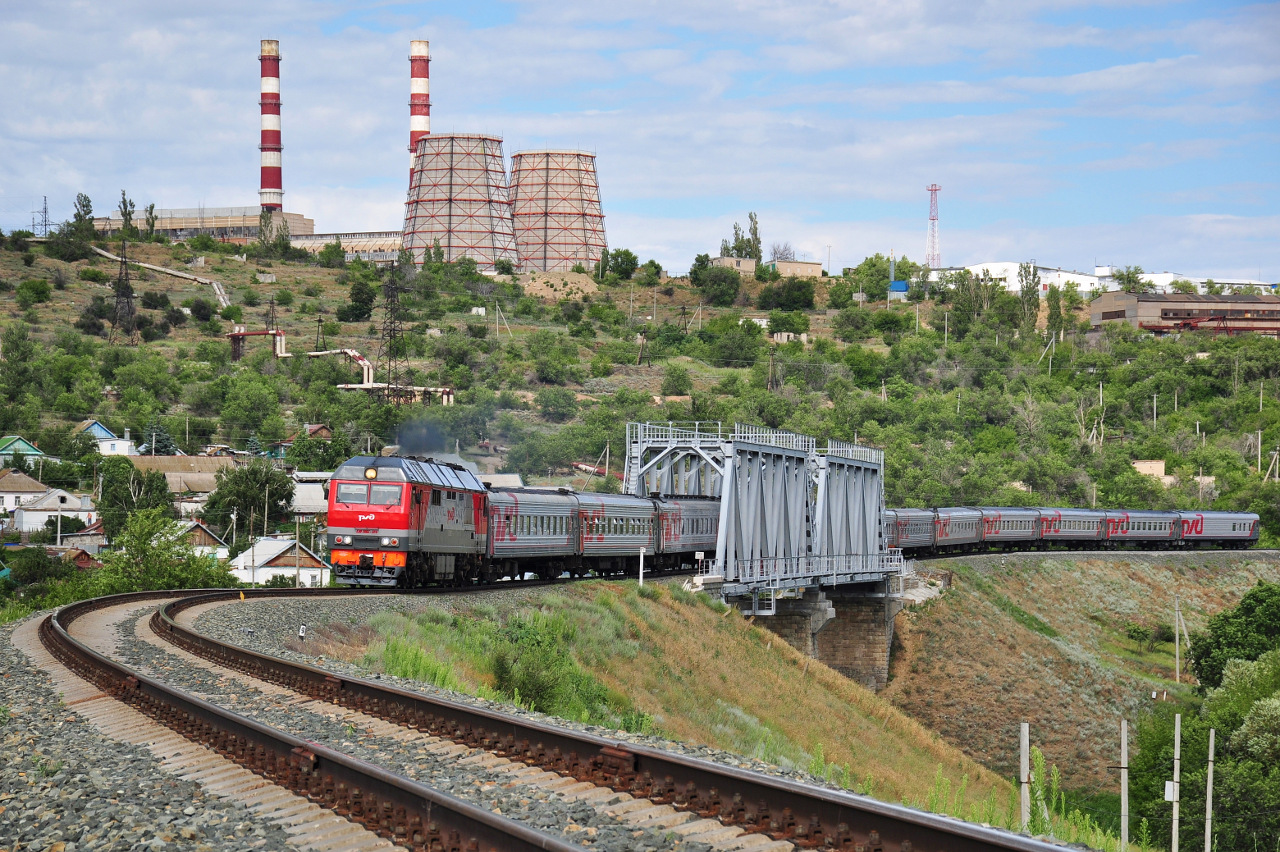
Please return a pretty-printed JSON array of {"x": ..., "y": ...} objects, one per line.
[
  {"x": 385, "y": 495},
  {"x": 435, "y": 497},
  {"x": 352, "y": 492}
]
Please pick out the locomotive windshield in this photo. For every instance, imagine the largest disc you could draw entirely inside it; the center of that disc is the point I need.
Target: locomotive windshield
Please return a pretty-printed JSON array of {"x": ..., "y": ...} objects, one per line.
[{"x": 374, "y": 495}]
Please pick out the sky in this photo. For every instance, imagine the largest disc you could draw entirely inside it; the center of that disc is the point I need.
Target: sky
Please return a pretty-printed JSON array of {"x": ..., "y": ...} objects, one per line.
[{"x": 1065, "y": 131}]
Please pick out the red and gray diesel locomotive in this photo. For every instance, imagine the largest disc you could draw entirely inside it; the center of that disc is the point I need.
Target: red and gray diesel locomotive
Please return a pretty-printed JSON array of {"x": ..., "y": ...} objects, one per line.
[{"x": 399, "y": 521}]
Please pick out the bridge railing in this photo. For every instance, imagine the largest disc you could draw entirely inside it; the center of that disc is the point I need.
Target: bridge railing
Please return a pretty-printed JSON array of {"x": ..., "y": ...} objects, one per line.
[{"x": 786, "y": 572}]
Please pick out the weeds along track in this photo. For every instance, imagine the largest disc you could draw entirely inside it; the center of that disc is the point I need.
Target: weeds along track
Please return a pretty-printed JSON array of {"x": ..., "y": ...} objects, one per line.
[
  {"x": 282, "y": 777},
  {"x": 683, "y": 798}
]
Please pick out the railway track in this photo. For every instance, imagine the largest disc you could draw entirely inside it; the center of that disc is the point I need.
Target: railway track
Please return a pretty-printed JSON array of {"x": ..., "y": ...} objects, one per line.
[
  {"x": 328, "y": 799},
  {"x": 725, "y": 807}
]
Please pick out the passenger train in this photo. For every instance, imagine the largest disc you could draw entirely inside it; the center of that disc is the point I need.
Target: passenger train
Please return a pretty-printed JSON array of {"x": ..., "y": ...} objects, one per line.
[{"x": 411, "y": 521}]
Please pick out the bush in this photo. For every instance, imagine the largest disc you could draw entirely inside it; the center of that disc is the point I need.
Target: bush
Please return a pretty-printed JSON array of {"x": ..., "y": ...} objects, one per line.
[
  {"x": 477, "y": 330},
  {"x": 97, "y": 276},
  {"x": 17, "y": 239},
  {"x": 232, "y": 313},
  {"x": 28, "y": 258},
  {"x": 719, "y": 285},
  {"x": 792, "y": 321},
  {"x": 793, "y": 294},
  {"x": 59, "y": 279},
  {"x": 502, "y": 266},
  {"x": 250, "y": 298},
  {"x": 280, "y": 581},
  {"x": 556, "y": 404},
  {"x": 284, "y": 298},
  {"x": 852, "y": 323},
  {"x": 202, "y": 309},
  {"x": 175, "y": 316},
  {"x": 153, "y": 301},
  {"x": 676, "y": 381},
  {"x": 33, "y": 292},
  {"x": 311, "y": 291}
]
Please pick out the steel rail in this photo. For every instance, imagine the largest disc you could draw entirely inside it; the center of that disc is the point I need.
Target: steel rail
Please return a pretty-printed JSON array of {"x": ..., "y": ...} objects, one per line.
[
  {"x": 405, "y": 811},
  {"x": 806, "y": 815}
]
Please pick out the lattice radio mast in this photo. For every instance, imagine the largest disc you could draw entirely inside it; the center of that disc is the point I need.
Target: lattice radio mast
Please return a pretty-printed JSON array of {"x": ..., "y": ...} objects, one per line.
[
  {"x": 932, "y": 253},
  {"x": 392, "y": 357},
  {"x": 125, "y": 317}
]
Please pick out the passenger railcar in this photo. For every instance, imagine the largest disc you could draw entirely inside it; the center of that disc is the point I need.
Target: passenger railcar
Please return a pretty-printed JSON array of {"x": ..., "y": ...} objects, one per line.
[{"x": 407, "y": 521}]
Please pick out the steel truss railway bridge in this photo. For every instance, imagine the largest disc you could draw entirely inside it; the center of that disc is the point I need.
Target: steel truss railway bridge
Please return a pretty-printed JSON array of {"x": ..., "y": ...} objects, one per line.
[{"x": 800, "y": 535}]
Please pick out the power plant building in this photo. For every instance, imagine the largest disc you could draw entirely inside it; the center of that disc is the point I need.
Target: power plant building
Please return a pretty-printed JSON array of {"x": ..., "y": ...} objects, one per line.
[
  {"x": 555, "y": 206},
  {"x": 458, "y": 199}
]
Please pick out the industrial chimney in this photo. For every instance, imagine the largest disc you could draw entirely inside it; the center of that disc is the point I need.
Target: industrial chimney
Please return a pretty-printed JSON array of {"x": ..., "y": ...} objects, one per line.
[
  {"x": 271, "y": 191},
  {"x": 419, "y": 96}
]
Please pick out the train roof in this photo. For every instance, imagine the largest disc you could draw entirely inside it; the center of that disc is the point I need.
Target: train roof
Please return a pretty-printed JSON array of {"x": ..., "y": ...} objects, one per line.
[{"x": 424, "y": 471}]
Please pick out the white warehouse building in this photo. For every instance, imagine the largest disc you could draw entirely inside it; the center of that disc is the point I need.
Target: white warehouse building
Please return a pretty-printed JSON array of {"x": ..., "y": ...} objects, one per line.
[{"x": 1102, "y": 278}]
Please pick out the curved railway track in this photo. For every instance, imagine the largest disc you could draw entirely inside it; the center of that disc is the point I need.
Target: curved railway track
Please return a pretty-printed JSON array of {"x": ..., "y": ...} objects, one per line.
[{"x": 726, "y": 807}]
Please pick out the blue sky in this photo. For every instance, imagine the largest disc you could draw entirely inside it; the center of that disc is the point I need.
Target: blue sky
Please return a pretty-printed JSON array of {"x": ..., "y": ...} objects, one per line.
[{"x": 1066, "y": 131}]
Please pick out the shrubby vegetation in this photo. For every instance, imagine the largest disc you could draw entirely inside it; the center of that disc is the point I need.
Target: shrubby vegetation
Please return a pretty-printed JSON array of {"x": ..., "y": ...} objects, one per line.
[{"x": 1237, "y": 659}]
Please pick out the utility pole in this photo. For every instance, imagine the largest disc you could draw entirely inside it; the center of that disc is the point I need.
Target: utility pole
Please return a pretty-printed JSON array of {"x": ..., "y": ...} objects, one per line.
[
  {"x": 1155, "y": 418},
  {"x": 1177, "y": 645},
  {"x": 946, "y": 327},
  {"x": 266, "y": 510},
  {"x": 297, "y": 550},
  {"x": 1124, "y": 785}
]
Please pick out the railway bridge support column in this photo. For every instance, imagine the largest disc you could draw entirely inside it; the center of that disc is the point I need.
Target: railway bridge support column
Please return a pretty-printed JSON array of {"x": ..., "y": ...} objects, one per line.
[{"x": 850, "y": 628}]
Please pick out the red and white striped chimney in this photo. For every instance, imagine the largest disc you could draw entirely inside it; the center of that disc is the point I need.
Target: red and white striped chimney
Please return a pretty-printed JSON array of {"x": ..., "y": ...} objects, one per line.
[
  {"x": 271, "y": 191},
  {"x": 419, "y": 95}
]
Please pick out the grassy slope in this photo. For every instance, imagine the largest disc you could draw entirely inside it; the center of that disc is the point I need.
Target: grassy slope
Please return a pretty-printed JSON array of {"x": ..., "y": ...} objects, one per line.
[
  {"x": 977, "y": 661},
  {"x": 722, "y": 681}
]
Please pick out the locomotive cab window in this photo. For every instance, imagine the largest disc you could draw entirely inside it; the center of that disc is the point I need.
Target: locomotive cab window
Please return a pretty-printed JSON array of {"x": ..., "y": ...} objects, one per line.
[
  {"x": 350, "y": 492},
  {"x": 385, "y": 495}
]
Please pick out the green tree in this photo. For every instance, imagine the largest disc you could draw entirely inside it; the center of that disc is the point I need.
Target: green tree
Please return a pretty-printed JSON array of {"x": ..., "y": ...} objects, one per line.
[
  {"x": 744, "y": 244},
  {"x": 332, "y": 255},
  {"x": 1244, "y": 632},
  {"x": 82, "y": 220},
  {"x": 676, "y": 381},
  {"x": 1130, "y": 280},
  {"x": 364, "y": 291},
  {"x": 556, "y": 404},
  {"x": 34, "y": 565},
  {"x": 719, "y": 285},
  {"x": 127, "y": 210},
  {"x": 1054, "y": 301},
  {"x": 248, "y": 491},
  {"x": 153, "y": 552},
  {"x": 125, "y": 490},
  {"x": 150, "y": 213},
  {"x": 1028, "y": 294},
  {"x": 1183, "y": 286},
  {"x": 504, "y": 266},
  {"x": 788, "y": 321},
  {"x": 64, "y": 243},
  {"x": 623, "y": 263},
  {"x": 156, "y": 440},
  {"x": 602, "y": 268},
  {"x": 701, "y": 264}
]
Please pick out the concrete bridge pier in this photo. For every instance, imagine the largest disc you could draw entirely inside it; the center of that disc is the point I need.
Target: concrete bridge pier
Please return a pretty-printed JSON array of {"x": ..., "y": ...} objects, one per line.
[{"x": 850, "y": 628}]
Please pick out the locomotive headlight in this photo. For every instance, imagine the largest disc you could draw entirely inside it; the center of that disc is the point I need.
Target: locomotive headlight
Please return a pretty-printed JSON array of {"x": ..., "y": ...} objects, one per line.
[
  {"x": 370, "y": 473},
  {"x": 385, "y": 541}
]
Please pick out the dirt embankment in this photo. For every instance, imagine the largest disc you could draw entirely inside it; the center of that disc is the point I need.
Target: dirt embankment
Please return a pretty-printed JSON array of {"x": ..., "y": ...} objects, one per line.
[{"x": 1040, "y": 638}]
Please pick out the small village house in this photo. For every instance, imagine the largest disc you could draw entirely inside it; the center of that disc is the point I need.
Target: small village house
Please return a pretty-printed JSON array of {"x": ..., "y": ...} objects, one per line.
[{"x": 272, "y": 557}]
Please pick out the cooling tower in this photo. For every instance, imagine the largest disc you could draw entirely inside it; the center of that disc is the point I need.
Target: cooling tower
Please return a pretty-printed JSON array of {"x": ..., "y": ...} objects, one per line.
[
  {"x": 556, "y": 212},
  {"x": 458, "y": 197}
]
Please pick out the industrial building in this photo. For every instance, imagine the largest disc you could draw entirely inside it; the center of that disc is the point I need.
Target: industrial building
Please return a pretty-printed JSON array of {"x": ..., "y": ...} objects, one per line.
[
  {"x": 1102, "y": 278},
  {"x": 555, "y": 209},
  {"x": 1164, "y": 313},
  {"x": 458, "y": 199}
]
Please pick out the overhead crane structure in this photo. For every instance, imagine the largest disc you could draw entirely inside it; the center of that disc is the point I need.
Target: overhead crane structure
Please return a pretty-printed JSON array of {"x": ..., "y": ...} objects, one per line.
[{"x": 792, "y": 515}]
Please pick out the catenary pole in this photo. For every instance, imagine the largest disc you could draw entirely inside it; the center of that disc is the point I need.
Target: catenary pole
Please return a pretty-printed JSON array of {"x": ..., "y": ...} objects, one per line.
[
  {"x": 1177, "y": 776},
  {"x": 1024, "y": 774},
  {"x": 1208, "y": 799}
]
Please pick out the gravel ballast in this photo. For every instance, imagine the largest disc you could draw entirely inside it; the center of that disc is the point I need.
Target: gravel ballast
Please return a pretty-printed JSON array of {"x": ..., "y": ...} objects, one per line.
[
  {"x": 492, "y": 789},
  {"x": 66, "y": 787}
]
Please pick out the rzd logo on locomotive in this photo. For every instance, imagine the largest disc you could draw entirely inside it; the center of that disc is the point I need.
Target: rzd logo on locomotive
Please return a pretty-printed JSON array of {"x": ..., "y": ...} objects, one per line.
[
  {"x": 1193, "y": 526},
  {"x": 366, "y": 517}
]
